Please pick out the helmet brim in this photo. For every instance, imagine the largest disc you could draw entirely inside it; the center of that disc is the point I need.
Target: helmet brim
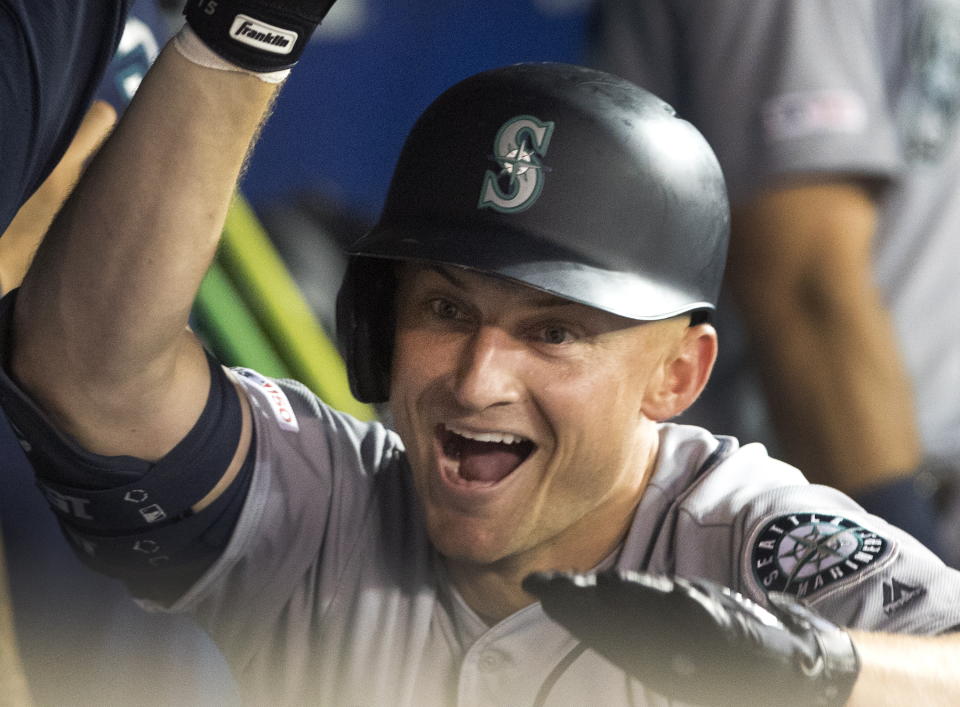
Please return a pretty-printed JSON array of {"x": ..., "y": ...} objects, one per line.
[{"x": 546, "y": 267}]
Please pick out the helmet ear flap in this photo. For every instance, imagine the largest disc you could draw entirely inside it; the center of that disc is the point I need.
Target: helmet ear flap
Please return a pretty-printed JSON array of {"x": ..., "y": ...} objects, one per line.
[{"x": 365, "y": 326}]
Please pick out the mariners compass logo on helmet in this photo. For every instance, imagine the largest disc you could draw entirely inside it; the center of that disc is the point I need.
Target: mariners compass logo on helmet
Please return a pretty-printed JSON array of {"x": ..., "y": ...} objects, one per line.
[
  {"x": 518, "y": 147},
  {"x": 803, "y": 553}
]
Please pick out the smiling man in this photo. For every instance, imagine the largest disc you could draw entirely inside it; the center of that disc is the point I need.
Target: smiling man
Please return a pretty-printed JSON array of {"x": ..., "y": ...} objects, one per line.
[
  {"x": 497, "y": 432},
  {"x": 535, "y": 305}
]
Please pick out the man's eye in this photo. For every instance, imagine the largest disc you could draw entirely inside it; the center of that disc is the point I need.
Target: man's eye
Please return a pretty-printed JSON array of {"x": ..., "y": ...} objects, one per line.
[
  {"x": 445, "y": 309},
  {"x": 556, "y": 335}
]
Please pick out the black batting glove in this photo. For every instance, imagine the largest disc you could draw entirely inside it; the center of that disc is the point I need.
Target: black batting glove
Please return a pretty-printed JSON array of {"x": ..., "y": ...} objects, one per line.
[
  {"x": 259, "y": 35},
  {"x": 697, "y": 641}
]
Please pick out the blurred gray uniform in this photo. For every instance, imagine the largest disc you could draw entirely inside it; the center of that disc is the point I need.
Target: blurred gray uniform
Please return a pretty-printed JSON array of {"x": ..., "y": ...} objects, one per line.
[
  {"x": 329, "y": 591},
  {"x": 828, "y": 87}
]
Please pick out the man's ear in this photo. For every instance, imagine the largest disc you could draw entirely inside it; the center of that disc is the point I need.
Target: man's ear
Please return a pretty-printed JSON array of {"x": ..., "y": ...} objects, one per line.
[{"x": 683, "y": 374}]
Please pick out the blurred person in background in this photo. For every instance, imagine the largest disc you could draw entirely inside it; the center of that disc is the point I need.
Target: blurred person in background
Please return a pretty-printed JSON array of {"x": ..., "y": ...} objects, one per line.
[{"x": 836, "y": 126}]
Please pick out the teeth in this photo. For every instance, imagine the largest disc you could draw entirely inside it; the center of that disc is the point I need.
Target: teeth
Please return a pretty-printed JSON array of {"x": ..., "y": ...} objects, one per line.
[{"x": 500, "y": 437}]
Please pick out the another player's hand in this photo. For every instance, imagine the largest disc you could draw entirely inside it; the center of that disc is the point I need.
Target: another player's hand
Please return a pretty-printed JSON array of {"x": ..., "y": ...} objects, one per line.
[
  {"x": 260, "y": 35},
  {"x": 697, "y": 641}
]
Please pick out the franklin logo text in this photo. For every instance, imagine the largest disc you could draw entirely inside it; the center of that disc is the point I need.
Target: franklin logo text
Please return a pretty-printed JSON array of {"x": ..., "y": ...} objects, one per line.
[{"x": 262, "y": 36}]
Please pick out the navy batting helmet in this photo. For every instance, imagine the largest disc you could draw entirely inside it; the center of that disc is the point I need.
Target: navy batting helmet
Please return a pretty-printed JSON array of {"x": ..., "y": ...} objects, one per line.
[{"x": 563, "y": 178}]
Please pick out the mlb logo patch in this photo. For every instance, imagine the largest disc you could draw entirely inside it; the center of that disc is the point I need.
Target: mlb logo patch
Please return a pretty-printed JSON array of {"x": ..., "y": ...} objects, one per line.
[{"x": 800, "y": 114}]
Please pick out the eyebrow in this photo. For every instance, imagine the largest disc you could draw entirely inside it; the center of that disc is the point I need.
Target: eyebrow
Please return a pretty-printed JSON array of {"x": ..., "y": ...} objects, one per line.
[{"x": 542, "y": 300}]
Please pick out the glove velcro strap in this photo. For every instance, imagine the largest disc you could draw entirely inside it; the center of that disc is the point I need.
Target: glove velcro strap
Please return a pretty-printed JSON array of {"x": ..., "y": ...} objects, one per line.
[
  {"x": 248, "y": 34},
  {"x": 841, "y": 666},
  {"x": 836, "y": 666}
]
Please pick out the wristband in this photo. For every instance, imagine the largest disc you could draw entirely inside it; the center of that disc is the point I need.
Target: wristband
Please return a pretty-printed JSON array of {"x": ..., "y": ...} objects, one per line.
[
  {"x": 257, "y": 36},
  {"x": 191, "y": 48}
]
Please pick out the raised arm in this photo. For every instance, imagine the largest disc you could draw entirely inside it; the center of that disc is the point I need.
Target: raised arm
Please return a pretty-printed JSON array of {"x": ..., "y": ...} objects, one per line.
[
  {"x": 100, "y": 329},
  {"x": 824, "y": 337}
]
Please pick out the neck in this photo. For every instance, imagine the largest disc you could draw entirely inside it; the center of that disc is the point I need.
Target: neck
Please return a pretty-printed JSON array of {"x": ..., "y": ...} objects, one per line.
[{"x": 494, "y": 590}]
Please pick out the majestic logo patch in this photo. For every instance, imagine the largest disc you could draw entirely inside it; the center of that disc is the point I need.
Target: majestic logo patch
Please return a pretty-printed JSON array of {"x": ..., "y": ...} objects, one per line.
[
  {"x": 896, "y": 595},
  {"x": 803, "y": 553},
  {"x": 518, "y": 147}
]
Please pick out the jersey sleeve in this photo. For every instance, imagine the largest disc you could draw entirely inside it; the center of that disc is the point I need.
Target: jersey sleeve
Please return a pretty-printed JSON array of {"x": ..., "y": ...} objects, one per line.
[
  {"x": 816, "y": 544},
  {"x": 53, "y": 56},
  {"x": 316, "y": 479},
  {"x": 779, "y": 89},
  {"x": 310, "y": 491},
  {"x": 131, "y": 518},
  {"x": 754, "y": 524}
]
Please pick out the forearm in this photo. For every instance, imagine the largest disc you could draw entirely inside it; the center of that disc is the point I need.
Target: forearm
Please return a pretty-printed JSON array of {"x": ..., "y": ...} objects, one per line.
[
  {"x": 840, "y": 394},
  {"x": 800, "y": 269},
  {"x": 898, "y": 670},
  {"x": 102, "y": 314}
]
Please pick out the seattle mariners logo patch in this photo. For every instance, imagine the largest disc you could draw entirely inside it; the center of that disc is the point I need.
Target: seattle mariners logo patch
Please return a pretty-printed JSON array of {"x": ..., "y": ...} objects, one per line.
[
  {"x": 518, "y": 147},
  {"x": 803, "y": 553}
]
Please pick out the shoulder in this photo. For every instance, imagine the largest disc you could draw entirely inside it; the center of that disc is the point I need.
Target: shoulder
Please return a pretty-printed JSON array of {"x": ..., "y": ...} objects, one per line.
[
  {"x": 854, "y": 568},
  {"x": 755, "y": 523},
  {"x": 711, "y": 478},
  {"x": 786, "y": 534},
  {"x": 288, "y": 415}
]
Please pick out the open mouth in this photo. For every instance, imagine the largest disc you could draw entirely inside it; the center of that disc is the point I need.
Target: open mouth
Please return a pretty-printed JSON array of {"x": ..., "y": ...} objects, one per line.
[{"x": 483, "y": 457}]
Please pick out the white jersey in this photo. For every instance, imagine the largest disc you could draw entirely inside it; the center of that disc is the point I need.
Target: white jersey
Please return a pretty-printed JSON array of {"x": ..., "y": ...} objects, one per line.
[
  {"x": 330, "y": 593},
  {"x": 834, "y": 88}
]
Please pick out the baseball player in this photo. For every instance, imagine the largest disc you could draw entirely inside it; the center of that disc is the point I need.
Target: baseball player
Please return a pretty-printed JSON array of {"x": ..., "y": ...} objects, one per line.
[
  {"x": 836, "y": 126},
  {"x": 535, "y": 304}
]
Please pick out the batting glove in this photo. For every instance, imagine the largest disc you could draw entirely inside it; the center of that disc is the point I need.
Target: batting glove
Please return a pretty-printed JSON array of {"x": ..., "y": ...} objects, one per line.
[
  {"x": 697, "y": 641},
  {"x": 258, "y": 35}
]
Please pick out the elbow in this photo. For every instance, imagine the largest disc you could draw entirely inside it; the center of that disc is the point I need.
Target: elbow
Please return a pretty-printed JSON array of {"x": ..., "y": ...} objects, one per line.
[{"x": 826, "y": 293}]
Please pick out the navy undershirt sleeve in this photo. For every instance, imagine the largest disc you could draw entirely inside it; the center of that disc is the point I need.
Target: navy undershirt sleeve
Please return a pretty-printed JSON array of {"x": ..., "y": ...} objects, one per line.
[
  {"x": 128, "y": 517},
  {"x": 162, "y": 563}
]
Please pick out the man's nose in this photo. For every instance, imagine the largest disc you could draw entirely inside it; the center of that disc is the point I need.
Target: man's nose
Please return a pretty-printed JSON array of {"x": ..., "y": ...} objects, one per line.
[{"x": 489, "y": 370}]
